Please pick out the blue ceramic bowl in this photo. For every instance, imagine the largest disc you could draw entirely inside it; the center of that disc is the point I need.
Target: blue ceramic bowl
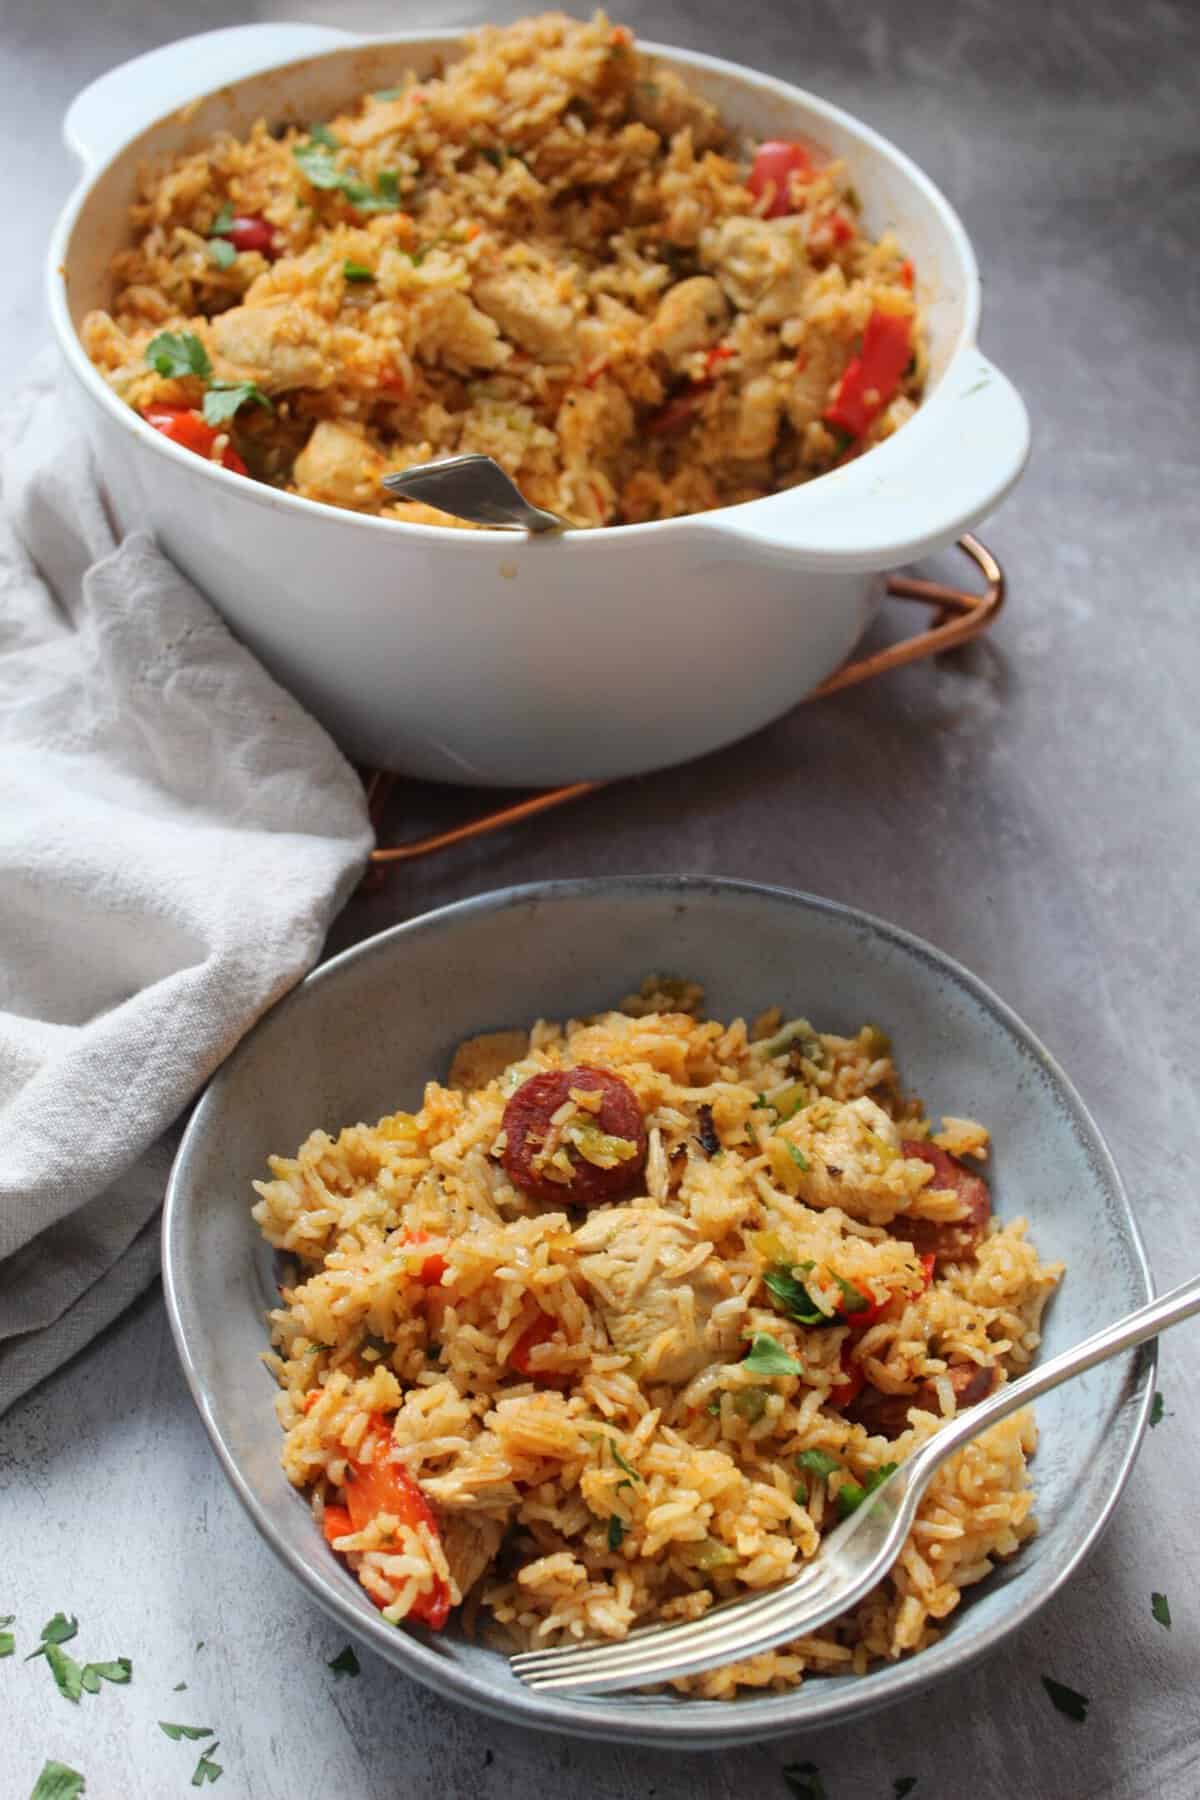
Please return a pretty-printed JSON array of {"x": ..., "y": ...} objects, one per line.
[{"x": 360, "y": 1037}]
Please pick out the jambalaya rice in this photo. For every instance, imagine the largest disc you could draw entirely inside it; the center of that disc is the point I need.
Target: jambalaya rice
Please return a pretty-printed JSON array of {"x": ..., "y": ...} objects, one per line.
[
  {"x": 554, "y": 253},
  {"x": 582, "y": 1417}
]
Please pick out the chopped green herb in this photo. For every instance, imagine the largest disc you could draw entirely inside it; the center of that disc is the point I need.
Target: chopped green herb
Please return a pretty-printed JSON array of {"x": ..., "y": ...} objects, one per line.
[
  {"x": 175, "y": 354},
  {"x": 7, "y": 1643},
  {"x": 68, "y": 1676},
  {"x": 761, "y": 1102},
  {"x": 387, "y": 186},
  {"x": 225, "y": 398},
  {"x": 714, "y": 1406},
  {"x": 223, "y": 221},
  {"x": 817, "y": 1462},
  {"x": 799, "y": 1032},
  {"x": 1161, "y": 1609},
  {"x": 118, "y": 1672},
  {"x": 804, "y": 1782},
  {"x": 769, "y": 1358},
  {"x": 222, "y": 252},
  {"x": 1156, "y": 1410},
  {"x": 903, "y": 1784},
  {"x": 621, "y": 1462},
  {"x": 791, "y": 1296},
  {"x": 797, "y": 1155},
  {"x": 57, "y": 1782},
  {"x": 616, "y": 1532},
  {"x": 317, "y": 161},
  {"x": 851, "y": 1494},
  {"x": 200, "y": 1645},
  {"x": 1074, "y": 1705},
  {"x": 179, "y": 1687},
  {"x": 853, "y": 1299},
  {"x": 60, "y": 1630},
  {"x": 844, "y": 440},
  {"x": 344, "y": 1663},
  {"x": 195, "y": 1732},
  {"x": 357, "y": 272},
  {"x": 392, "y": 93},
  {"x": 321, "y": 134},
  {"x": 7, "y": 1618},
  {"x": 206, "y": 1769},
  {"x": 984, "y": 381},
  {"x": 750, "y": 1404}
]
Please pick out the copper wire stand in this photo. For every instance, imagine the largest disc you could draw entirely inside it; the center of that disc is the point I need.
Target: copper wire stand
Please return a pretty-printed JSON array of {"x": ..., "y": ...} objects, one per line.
[{"x": 960, "y": 616}]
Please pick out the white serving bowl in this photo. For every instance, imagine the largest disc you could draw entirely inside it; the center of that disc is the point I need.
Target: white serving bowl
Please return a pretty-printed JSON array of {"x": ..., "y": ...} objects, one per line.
[{"x": 487, "y": 657}]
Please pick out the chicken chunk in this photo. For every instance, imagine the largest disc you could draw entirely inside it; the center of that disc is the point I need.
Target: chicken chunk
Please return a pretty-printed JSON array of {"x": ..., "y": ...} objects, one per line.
[
  {"x": 690, "y": 315},
  {"x": 759, "y": 407},
  {"x": 447, "y": 328},
  {"x": 339, "y": 466},
  {"x": 279, "y": 345},
  {"x": 761, "y": 265},
  {"x": 481, "y": 1059},
  {"x": 847, "y": 1154},
  {"x": 469, "y": 1541},
  {"x": 657, "y": 1286},
  {"x": 529, "y": 310}
]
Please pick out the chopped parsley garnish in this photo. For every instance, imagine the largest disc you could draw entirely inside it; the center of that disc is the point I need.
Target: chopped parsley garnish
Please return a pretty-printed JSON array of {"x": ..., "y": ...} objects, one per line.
[
  {"x": 750, "y": 1404},
  {"x": 176, "y": 354},
  {"x": 1074, "y": 1705},
  {"x": 354, "y": 271},
  {"x": 7, "y": 1643},
  {"x": 853, "y": 1299},
  {"x": 195, "y": 1732},
  {"x": 224, "y": 398},
  {"x": 317, "y": 161},
  {"x": 392, "y": 93},
  {"x": 903, "y": 1784},
  {"x": 769, "y": 1358},
  {"x": 222, "y": 252},
  {"x": 59, "y": 1630},
  {"x": 118, "y": 1672},
  {"x": 68, "y": 1676},
  {"x": 621, "y": 1461},
  {"x": 714, "y": 1405},
  {"x": 616, "y": 1532},
  {"x": 344, "y": 1663},
  {"x": 57, "y": 1782},
  {"x": 851, "y": 1494},
  {"x": 1156, "y": 1410},
  {"x": 797, "y": 1155},
  {"x": 179, "y": 1687},
  {"x": 817, "y": 1462},
  {"x": 206, "y": 1769},
  {"x": 1160, "y": 1607},
  {"x": 804, "y": 1782},
  {"x": 223, "y": 221},
  {"x": 791, "y": 1296}
]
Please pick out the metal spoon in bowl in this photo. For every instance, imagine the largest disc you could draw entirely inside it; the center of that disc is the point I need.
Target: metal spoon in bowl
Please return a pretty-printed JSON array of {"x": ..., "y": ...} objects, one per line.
[{"x": 473, "y": 487}]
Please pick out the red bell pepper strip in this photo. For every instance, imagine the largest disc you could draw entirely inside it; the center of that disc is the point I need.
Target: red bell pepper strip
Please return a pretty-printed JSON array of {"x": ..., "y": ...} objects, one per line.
[
  {"x": 434, "y": 1266},
  {"x": 188, "y": 428},
  {"x": 539, "y": 1332},
  {"x": 336, "y": 1522},
  {"x": 871, "y": 379},
  {"x": 775, "y": 162},
  {"x": 376, "y": 1485},
  {"x": 849, "y": 1388}
]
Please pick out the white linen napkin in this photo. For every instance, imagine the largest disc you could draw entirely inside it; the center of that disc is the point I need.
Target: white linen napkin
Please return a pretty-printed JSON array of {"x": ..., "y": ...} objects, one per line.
[{"x": 175, "y": 836}]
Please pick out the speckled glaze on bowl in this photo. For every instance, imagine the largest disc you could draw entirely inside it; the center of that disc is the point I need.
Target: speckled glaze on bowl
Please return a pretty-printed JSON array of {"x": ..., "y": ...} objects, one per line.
[{"x": 360, "y": 1037}]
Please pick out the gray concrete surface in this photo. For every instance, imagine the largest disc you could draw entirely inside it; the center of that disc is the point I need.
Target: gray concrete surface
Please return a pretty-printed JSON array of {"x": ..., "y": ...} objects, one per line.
[{"x": 1029, "y": 805}]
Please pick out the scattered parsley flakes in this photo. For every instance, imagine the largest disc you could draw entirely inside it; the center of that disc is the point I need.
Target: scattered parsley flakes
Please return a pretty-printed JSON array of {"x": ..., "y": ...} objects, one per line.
[
  {"x": 57, "y": 1782},
  {"x": 1160, "y": 1607},
  {"x": 7, "y": 1618},
  {"x": 195, "y": 1732},
  {"x": 903, "y": 1784},
  {"x": 223, "y": 222},
  {"x": 804, "y": 1781},
  {"x": 225, "y": 397},
  {"x": 68, "y": 1676},
  {"x": 356, "y": 271},
  {"x": 176, "y": 354},
  {"x": 797, "y": 1155},
  {"x": 321, "y": 134},
  {"x": 392, "y": 93},
  {"x": 317, "y": 161},
  {"x": 222, "y": 252},
  {"x": 344, "y": 1663},
  {"x": 616, "y": 1532},
  {"x": 7, "y": 1643},
  {"x": 59, "y": 1630},
  {"x": 769, "y": 1358},
  {"x": 179, "y": 1687},
  {"x": 851, "y": 1494},
  {"x": 790, "y": 1295},
  {"x": 622, "y": 1463},
  {"x": 118, "y": 1672},
  {"x": 817, "y": 1462},
  {"x": 1066, "y": 1700},
  {"x": 206, "y": 1769},
  {"x": 1156, "y": 1410}
]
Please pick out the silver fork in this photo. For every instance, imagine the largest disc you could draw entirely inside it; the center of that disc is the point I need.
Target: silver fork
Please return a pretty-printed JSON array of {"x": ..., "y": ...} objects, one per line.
[{"x": 852, "y": 1559}]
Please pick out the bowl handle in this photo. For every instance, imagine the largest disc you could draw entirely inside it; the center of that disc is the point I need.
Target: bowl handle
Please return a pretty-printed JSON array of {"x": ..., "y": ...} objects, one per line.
[
  {"x": 116, "y": 106},
  {"x": 918, "y": 491}
]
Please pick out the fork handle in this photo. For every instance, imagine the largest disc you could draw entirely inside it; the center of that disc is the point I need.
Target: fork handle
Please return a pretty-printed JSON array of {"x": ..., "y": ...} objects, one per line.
[{"x": 1125, "y": 1334}]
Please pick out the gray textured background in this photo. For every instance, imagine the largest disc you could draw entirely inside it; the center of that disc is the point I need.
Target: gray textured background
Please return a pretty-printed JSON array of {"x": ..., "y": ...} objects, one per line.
[{"x": 1029, "y": 806}]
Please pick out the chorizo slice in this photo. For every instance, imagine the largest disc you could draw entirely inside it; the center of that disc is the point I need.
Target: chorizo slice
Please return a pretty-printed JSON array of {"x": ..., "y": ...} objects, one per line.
[
  {"x": 569, "y": 1152},
  {"x": 949, "y": 1240},
  {"x": 886, "y": 1415}
]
